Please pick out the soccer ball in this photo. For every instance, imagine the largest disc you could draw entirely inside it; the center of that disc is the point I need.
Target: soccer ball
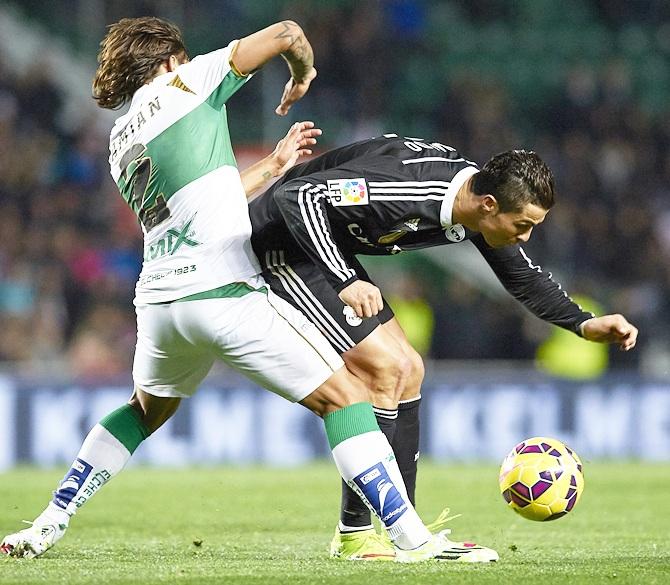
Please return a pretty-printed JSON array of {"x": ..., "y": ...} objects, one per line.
[{"x": 541, "y": 479}]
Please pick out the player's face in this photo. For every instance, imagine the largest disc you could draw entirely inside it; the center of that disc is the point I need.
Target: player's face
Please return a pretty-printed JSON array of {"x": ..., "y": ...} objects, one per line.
[{"x": 511, "y": 227}]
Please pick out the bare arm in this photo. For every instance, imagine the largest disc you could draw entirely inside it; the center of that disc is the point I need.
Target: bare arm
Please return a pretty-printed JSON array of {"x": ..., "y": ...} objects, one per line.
[
  {"x": 289, "y": 149},
  {"x": 284, "y": 38}
]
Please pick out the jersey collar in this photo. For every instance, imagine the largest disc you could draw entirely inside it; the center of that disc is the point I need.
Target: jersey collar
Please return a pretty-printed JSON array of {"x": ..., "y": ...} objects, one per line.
[
  {"x": 447, "y": 206},
  {"x": 139, "y": 93}
]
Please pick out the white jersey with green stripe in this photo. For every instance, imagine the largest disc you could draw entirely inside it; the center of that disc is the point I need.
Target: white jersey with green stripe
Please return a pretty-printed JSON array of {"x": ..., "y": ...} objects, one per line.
[{"x": 173, "y": 162}]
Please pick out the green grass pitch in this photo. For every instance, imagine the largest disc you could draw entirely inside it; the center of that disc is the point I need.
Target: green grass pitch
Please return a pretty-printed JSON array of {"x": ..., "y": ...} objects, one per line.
[{"x": 260, "y": 525}]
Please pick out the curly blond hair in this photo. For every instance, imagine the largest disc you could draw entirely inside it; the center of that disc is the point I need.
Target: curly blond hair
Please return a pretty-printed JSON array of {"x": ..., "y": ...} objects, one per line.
[{"x": 130, "y": 54}]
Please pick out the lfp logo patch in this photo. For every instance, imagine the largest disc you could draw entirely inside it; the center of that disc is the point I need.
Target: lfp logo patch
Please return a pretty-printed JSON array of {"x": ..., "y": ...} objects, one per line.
[{"x": 348, "y": 192}]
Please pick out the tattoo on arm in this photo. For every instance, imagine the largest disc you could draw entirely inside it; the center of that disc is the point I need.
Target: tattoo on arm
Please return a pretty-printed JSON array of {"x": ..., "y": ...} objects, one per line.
[
  {"x": 267, "y": 175},
  {"x": 289, "y": 31},
  {"x": 299, "y": 53}
]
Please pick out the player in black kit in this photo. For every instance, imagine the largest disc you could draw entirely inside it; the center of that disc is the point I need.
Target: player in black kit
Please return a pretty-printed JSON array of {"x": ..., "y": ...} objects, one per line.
[{"x": 384, "y": 196}]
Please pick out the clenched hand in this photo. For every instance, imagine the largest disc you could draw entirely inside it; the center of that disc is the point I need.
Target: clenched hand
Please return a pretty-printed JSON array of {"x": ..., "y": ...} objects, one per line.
[
  {"x": 611, "y": 329},
  {"x": 363, "y": 297}
]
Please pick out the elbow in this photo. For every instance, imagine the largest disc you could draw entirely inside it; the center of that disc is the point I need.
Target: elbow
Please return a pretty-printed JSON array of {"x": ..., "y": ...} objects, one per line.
[
  {"x": 292, "y": 24},
  {"x": 289, "y": 32}
]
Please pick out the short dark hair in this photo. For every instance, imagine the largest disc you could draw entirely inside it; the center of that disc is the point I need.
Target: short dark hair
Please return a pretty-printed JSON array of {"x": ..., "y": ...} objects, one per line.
[
  {"x": 130, "y": 54},
  {"x": 516, "y": 178}
]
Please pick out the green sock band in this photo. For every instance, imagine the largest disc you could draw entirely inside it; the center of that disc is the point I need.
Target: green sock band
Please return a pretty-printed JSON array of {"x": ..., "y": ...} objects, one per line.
[
  {"x": 127, "y": 426},
  {"x": 349, "y": 421}
]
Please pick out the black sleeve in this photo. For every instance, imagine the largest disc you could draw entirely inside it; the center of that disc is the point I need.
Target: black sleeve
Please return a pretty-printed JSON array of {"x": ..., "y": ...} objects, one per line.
[
  {"x": 334, "y": 158},
  {"x": 304, "y": 208},
  {"x": 533, "y": 287}
]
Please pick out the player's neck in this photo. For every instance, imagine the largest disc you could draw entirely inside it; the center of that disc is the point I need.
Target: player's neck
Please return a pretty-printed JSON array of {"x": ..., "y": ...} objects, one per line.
[
  {"x": 169, "y": 65},
  {"x": 464, "y": 210}
]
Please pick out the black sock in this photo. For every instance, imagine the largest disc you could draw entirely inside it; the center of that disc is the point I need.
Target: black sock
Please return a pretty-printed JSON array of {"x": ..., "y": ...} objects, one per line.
[
  {"x": 406, "y": 443},
  {"x": 353, "y": 512}
]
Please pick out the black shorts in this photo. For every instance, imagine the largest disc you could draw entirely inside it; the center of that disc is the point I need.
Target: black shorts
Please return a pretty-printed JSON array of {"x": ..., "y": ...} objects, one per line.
[{"x": 297, "y": 280}]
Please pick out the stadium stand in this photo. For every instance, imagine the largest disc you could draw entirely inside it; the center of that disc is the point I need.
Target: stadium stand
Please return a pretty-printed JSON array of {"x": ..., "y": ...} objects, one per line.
[{"x": 582, "y": 82}]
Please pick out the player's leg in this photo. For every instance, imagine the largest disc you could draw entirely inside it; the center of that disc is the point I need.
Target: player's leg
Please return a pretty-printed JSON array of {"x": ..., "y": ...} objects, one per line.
[
  {"x": 103, "y": 454},
  {"x": 372, "y": 352},
  {"x": 365, "y": 460},
  {"x": 406, "y": 439},
  {"x": 110, "y": 443},
  {"x": 368, "y": 360},
  {"x": 274, "y": 344},
  {"x": 387, "y": 368},
  {"x": 109, "y": 446},
  {"x": 295, "y": 279}
]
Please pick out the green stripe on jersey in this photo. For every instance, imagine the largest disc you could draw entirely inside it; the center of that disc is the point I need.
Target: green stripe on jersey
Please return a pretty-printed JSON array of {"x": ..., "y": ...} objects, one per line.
[
  {"x": 228, "y": 291},
  {"x": 195, "y": 145},
  {"x": 228, "y": 86}
]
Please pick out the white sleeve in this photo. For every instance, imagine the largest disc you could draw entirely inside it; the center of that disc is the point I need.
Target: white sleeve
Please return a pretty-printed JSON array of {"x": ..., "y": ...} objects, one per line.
[{"x": 212, "y": 76}]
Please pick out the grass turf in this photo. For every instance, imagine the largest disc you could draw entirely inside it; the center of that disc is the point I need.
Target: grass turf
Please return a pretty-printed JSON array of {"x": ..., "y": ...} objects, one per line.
[{"x": 251, "y": 525}]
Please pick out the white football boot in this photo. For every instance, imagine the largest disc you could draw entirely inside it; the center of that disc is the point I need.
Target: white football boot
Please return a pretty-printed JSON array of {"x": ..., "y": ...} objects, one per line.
[
  {"x": 47, "y": 529},
  {"x": 440, "y": 548}
]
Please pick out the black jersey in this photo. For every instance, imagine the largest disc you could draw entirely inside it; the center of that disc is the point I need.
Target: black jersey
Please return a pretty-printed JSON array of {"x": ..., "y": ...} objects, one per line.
[{"x": 384, "y": 196}]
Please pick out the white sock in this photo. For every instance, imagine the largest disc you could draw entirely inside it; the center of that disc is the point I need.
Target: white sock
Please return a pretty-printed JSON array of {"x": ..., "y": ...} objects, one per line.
[
  {"x": 52, "y": 514},
  {"x": 104, "y": 453},
  {"x": 100, "y": 458},
  {"x": 367, "y": 463}
]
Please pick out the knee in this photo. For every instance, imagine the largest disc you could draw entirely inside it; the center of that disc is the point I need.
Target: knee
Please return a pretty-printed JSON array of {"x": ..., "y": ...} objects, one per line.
[
  {"x": 388, "y": 376},
  {"x": 153, "y": 411},
  {"x": 415, "y": 378},
  {"x": 340, "y": 390}
]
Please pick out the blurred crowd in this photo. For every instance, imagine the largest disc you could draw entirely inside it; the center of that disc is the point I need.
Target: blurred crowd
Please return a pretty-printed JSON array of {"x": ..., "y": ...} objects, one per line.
[{"x": 70, "y": 251}]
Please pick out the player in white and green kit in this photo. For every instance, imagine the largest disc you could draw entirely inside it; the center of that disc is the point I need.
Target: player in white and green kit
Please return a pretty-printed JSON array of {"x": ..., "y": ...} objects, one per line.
[{"x": 200, "y": 296}]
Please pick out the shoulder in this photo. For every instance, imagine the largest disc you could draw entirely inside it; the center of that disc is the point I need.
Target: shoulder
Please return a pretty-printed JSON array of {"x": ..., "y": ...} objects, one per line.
[{"x": 218, "y": 59}]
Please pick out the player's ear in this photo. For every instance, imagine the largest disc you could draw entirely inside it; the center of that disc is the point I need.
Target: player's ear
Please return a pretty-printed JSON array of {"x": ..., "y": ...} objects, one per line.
[
  {"x": 488, "y": 204},
  {"x": 173, "y": 62}
]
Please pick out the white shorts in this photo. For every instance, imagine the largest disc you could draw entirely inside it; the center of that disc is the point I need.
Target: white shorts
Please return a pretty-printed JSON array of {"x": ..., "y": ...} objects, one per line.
[{"x": 258, "y": 334}]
